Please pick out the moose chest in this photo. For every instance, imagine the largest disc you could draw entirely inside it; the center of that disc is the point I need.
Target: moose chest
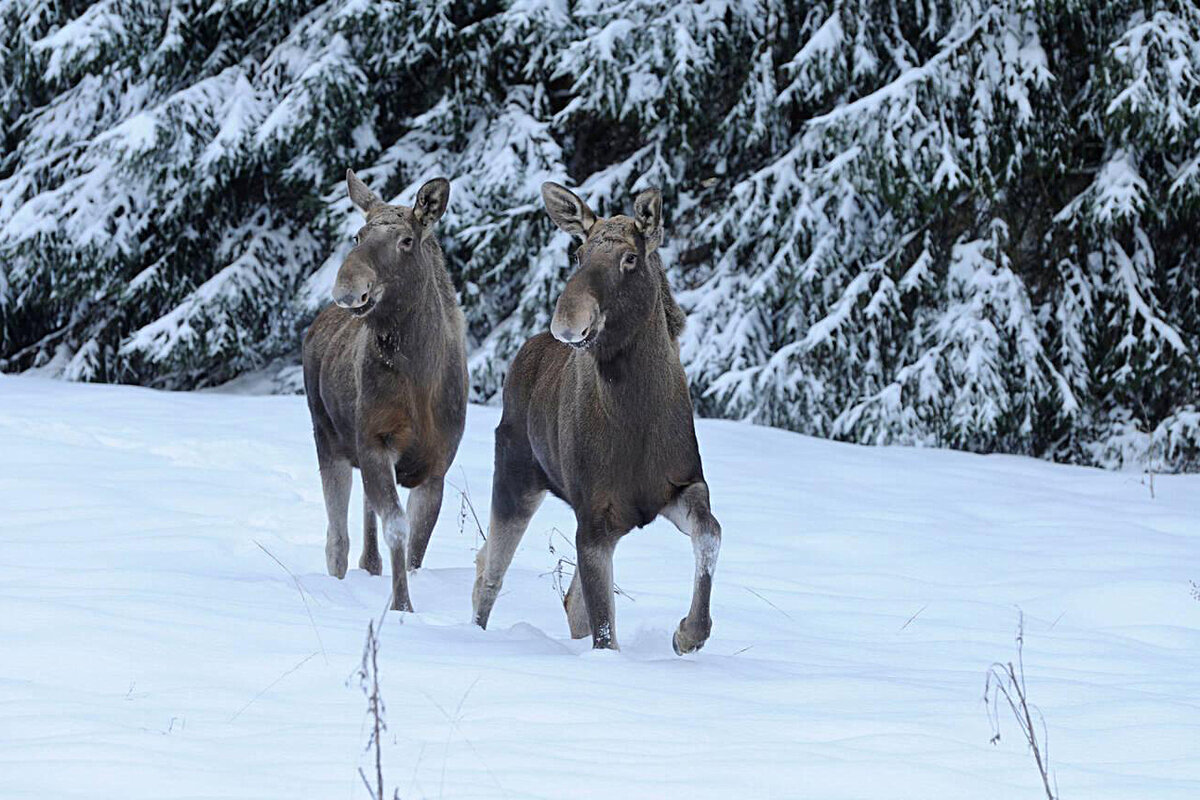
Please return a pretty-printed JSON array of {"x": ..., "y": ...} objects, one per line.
[
  {"x": 622, "y": 469},
  {"x": 397, "y": 416}
]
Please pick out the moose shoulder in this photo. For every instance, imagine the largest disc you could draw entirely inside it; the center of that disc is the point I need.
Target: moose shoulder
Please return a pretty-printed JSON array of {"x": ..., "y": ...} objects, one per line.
[
  {"x": 386, "y": 378},
  {"x": 598, "y": 413}
]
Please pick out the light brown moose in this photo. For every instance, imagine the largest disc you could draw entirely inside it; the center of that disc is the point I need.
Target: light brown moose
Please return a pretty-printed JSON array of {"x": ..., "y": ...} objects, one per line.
[
  {"x": 386, "y": 378},
  {"x": 597, "y": 411}
]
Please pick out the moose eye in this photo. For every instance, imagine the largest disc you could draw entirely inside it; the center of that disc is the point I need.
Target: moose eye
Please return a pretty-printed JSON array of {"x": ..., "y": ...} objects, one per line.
[
  {"x": 629, "y": 261},
  {"x": 356, "y": 238},
  {"x": 406, "y": 242}
]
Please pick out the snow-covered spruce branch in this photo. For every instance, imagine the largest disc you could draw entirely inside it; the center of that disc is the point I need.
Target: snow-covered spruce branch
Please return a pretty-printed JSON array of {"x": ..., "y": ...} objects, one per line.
[{"x": 958, "y": 223}]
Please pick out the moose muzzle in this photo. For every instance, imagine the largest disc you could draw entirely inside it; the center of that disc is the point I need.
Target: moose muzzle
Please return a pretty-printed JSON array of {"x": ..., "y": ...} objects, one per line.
[
  {"x": 353, "y": 288},
  {"x": 577, "y": 320}
]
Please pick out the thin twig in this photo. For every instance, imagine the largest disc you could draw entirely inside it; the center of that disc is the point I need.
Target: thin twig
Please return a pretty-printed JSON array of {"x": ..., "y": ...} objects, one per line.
[
  {"x": 768, "y": 602},
  {"x": 366, "y": 783},
  {"x": 465, "y": 501},
  {"x": 378, "y": 717},
  {"x": 302, "y": 592},
  {"x": 412, "y": 782},
  {"x": 271, "y": 686},
  {"x": 454, "y": 726},
  {"x": 388, "y": 605},
  {"x": 914, "y": 616},
  {"x": 1008, "y": 682},
  {"x": 368, "y": 681},
  {"x": 557, "y": 572}
]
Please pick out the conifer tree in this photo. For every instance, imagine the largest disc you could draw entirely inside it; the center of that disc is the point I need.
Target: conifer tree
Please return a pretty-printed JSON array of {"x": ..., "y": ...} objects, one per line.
[{"x": 949, "y": 222}]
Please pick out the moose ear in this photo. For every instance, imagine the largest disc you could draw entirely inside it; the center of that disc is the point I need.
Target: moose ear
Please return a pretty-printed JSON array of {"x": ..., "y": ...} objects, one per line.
[
  {"x": 566, "y": 209},
  {"x": 432, "y": 199},
  {"x": 360, "y": 195},
  {"x": 647, "y": 213}
]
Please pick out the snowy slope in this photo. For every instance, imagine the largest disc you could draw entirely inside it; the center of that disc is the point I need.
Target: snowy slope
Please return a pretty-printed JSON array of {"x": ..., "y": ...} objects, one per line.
[{"x": 149, "y": 647}]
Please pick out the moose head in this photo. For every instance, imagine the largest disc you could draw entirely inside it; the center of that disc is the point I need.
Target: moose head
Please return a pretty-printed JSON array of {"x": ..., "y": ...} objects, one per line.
[
  {"x": 616, "y": 288},
  {"x": 392, "y": 250}
]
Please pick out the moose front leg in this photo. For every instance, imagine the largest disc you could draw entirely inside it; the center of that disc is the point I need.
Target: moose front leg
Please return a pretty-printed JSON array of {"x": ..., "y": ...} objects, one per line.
[
  {"x": 594, "y": 550},
  {"x": 424, "y": 504},
  {"x": 379, "y": 482},
  {"x": 335, "y": 485},
  {"x": 690, "y": 513}
]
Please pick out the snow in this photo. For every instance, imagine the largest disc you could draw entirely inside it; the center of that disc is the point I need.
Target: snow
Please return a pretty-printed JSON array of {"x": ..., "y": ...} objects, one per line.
[
  {"x": 151, "y": 648},
  {"x": 98, "y": 26},
  {"x": 898, "y": 88},
  {"x": 1120, "y": 191}
]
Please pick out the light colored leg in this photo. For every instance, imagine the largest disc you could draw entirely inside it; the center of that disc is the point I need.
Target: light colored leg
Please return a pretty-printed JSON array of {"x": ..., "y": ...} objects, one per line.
[
  {"x": 492, "y": 560},
  {"x": 379, "y": 481},
  {"x": 577, "y": 616},
  {"x": 370, "y": 560},
  {"x": 690, "y": 513},
  {"x": 335, "y": 483},
  {"x": 424, "y": 504}
]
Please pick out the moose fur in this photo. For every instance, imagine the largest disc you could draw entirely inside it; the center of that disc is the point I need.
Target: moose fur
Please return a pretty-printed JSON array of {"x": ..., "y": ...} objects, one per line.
[
  {"x": 598, "y": 413},
  {"x": 386, "y": 378}
]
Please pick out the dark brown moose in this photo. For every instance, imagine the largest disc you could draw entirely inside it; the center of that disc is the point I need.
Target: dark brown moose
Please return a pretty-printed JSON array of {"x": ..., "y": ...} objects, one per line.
[
  {"x": 386, "y": 377},
  {"x": 597, "y": 411}
]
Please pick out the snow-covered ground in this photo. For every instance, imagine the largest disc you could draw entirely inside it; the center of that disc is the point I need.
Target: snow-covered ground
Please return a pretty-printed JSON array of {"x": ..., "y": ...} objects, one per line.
[{"x": 150, "y": 648}]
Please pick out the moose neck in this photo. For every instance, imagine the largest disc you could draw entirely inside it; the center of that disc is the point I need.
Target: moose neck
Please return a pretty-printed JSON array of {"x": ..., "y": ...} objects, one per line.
[
  {"x": 640, "y": 371},
  {"x": 405, "y": 321}
]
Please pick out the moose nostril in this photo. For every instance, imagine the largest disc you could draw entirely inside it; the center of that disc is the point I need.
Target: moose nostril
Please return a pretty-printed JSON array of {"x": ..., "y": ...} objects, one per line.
[{"x": 363, "y": 298}]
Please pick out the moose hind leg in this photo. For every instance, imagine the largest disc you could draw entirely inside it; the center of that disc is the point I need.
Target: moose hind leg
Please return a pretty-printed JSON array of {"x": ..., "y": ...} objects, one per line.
[
  {"x": 576, "y": 608},
  {"x": 424, "y": 505},
  {"x": 690, "y": 513},
  {"x": 518, "y": 488},
  {"x": 509, "y": 519},
  {"x": 335, "y": 483},
  {"x": 370, "y": 560}
]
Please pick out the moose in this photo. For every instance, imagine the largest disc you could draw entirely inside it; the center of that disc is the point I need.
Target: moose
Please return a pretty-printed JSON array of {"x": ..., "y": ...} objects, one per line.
[
  {"x": 597, "y": 412},
  {"x": 385, "y": 372}
]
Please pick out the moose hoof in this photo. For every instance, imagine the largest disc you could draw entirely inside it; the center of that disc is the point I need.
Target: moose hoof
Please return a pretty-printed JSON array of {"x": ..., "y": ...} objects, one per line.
[
  {"x": 689, "y": 639},
  {"x": 336, "y": 569},
  {"x": 372, "y": 563},
  {"x": 479, "y": 614},
  {"x": 483, "y": 597},
  {"x": 336, "y": 558},
  {"x": 402, "y": 605}
]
